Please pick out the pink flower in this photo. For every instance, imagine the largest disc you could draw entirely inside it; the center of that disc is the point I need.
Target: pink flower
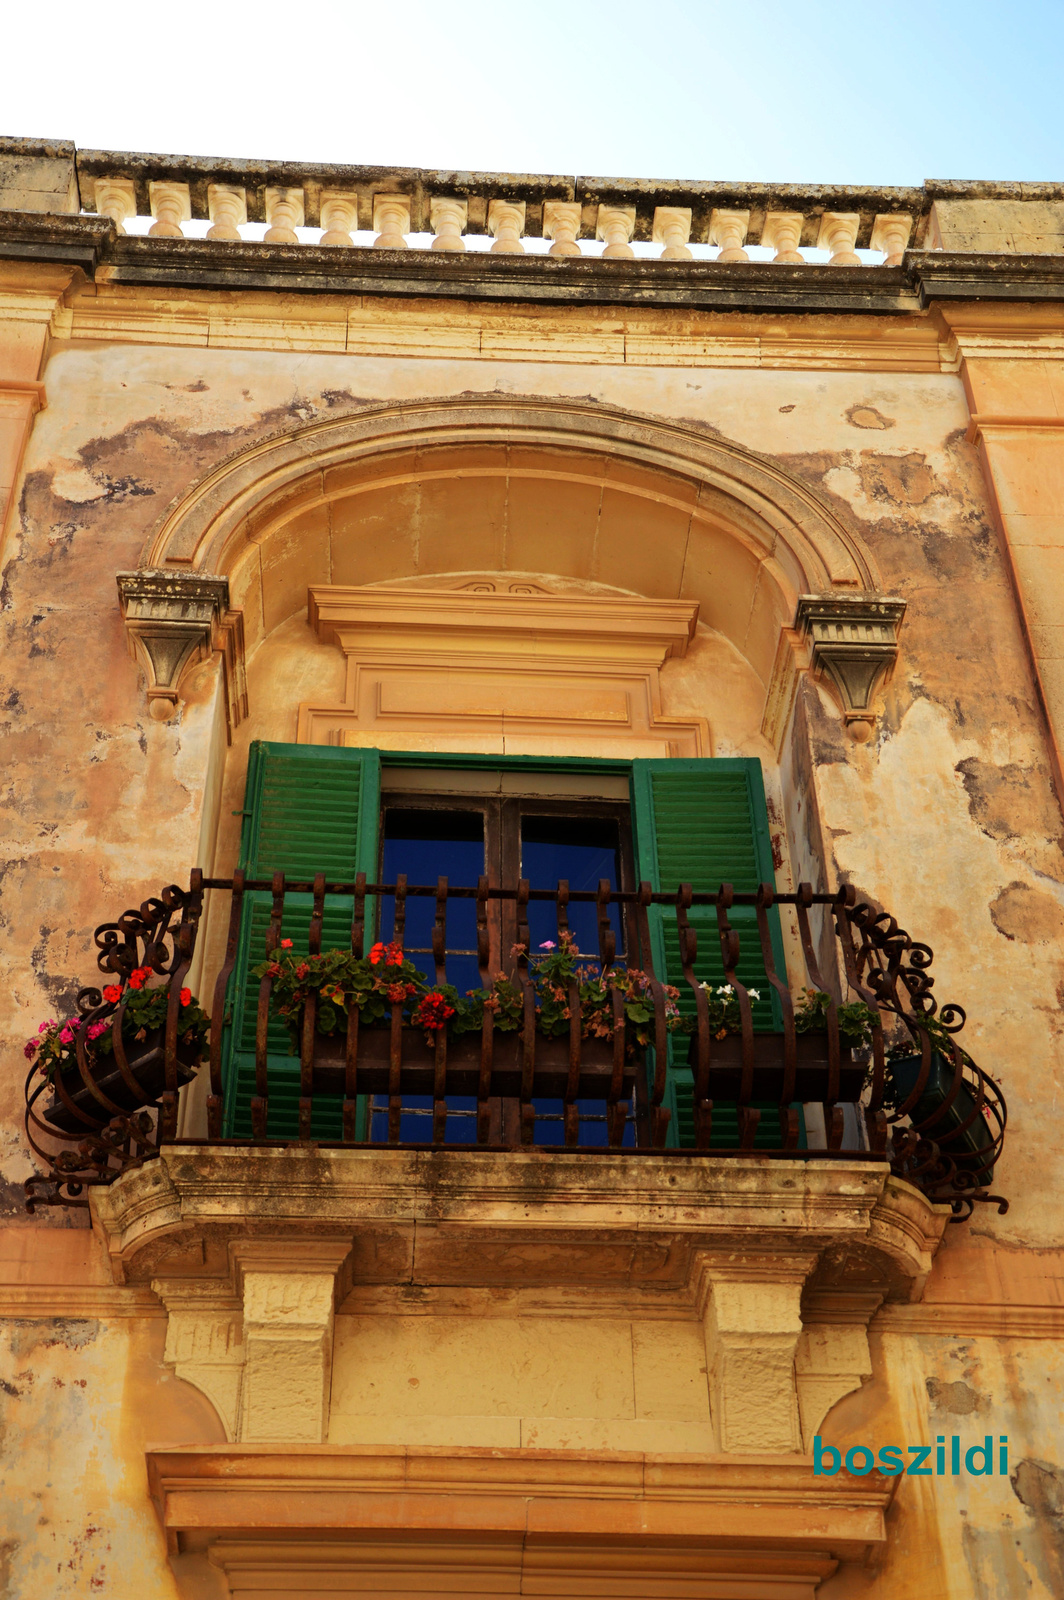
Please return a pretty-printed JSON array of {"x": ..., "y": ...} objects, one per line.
[
  {"x": 46, "y": 1025},
  {"x": 29, "y": 1049},
  {"x": 548, "y": 944},
  {"x": 96, "y": 1028},
  {"x": 67, "y": 1035}
]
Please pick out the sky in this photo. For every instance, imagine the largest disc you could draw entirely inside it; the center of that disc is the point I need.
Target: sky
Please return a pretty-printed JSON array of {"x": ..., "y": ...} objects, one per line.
[{"x": 812, "y": 91}]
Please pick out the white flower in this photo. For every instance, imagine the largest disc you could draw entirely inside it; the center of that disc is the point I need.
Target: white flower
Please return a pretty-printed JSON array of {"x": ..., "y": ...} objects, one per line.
[
  {"x": 755, "y": 994},
  {"x": 725, "y": 988}
]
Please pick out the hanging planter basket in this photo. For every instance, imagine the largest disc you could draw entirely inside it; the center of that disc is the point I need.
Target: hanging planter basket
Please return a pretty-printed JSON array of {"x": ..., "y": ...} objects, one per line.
[{"x": 146, "y": 1063}]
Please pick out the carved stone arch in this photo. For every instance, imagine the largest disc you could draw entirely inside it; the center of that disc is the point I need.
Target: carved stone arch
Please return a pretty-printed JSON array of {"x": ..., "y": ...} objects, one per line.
[
  {"x": 203, "y": 529},
  {"x": 682, "y": 514}
]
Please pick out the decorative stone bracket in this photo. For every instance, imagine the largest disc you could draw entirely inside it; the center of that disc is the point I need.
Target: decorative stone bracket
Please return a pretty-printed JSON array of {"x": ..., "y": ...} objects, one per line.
[
  {"x": 850, "y": 641},
  {"x": 854, "y": 643},
  {"x": 260, "y": 1345},
  {"x": 174, "y": 621}
]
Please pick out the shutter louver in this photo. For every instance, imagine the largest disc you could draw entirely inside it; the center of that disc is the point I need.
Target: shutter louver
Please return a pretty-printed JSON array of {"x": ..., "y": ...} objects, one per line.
[
  {"x": 704, "y": 822},
  {"x": 308, "y": 809}
]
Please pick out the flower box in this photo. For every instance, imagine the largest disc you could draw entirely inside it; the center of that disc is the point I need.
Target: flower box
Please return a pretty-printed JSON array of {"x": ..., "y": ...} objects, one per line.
[
  {"x": 972, "y": 1150},
  {"x": 550, "y": 1072},
  {"x": 811, "y": 1076}
]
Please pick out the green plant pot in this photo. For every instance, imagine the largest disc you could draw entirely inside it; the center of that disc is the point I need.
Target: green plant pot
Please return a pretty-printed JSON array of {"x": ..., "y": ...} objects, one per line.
[{"x": 972, "y": 1150}]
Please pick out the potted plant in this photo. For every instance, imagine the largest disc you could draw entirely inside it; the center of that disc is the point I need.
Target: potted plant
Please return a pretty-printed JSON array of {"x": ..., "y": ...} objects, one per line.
[
  {"x": 959, "y": 1128},
  {"x": 139, "y": 1009},
  {"x": 855, "y": 1023}
]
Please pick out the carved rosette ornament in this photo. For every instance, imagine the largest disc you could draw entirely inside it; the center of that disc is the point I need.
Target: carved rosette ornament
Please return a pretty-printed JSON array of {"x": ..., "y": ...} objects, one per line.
[
  {"x": 175, "y": 620},
  {"x": 853, "y": 643}
]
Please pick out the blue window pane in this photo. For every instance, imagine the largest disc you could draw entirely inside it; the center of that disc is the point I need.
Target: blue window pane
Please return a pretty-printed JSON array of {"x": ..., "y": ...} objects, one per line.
[
  {"x": 583, "y": 850},
  {"x": 427, "y": 845}
]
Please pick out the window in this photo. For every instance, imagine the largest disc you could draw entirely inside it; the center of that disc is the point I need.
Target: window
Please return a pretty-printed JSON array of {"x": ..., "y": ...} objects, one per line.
[
  {"x": 505, "y": 838},
  {"x": 319, "y": 809}
]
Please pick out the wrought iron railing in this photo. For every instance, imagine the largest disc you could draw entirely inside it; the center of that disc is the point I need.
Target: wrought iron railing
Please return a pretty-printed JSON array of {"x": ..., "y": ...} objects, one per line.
[{"x": 921, "y": 1102}]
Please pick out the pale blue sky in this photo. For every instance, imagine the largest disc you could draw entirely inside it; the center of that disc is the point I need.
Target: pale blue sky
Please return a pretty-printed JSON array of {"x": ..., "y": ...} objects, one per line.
[{"x": 814, "y": 91}]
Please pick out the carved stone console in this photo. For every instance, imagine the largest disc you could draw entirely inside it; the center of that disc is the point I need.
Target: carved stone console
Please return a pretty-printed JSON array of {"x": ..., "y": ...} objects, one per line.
[
  {"x": 174, "y": 620},
  {"x": 854, "y": 643},
  {"x": 850, "y": 641}
]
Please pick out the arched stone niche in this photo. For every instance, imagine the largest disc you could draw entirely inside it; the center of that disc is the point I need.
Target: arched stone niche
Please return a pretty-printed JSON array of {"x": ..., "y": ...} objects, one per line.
[
  {"x": 500, "y": 488},
  {"x": 500, "y": 484}
]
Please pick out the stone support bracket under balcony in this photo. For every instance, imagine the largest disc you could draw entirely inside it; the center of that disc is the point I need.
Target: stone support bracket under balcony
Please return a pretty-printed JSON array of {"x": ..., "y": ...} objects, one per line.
[
  {"x": 781, "y": 1263},
  {"x": 175, "y": 621}
]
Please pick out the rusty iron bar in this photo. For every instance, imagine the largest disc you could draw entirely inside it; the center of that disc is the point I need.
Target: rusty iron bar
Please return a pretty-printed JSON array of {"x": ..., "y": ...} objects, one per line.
[
  {"x": 395, "y": 1052},
  {"x": 487, "y": 1031},
  {"x": 354, "y": 1016}
]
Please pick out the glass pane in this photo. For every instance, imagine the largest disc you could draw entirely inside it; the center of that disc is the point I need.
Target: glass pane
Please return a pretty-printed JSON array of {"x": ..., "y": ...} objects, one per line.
[
  {"x": 582, "y": 849},
  {"x": 427, "y": 845},
  {"x": 415, "y": 1123}
]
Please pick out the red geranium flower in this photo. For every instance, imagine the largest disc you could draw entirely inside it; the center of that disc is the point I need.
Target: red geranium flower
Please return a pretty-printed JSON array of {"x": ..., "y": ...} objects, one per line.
[
  {"x": 186, "y": 997},
  {"x": 286, "y": 944},
  {"x": 137, "y": 977},
  {"x": 112, "y": 993}
]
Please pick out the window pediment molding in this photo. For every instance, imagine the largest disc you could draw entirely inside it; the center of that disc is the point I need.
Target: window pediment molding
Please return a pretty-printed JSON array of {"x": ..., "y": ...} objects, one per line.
[{"x": 483, "y": 669}]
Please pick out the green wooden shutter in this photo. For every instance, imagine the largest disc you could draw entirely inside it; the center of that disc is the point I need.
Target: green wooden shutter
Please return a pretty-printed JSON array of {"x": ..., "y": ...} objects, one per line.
[
  {"x": 307, "y": 809},
  {"x": 704, "y": 822}
]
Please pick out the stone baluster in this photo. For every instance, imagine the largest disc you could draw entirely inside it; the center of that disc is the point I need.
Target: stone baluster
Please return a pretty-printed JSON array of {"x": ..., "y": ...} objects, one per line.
[
  {"x": 116, "y": 198},
  {"x": 561, "y": 222},
  {"x": 838, "y": 233},
  {"x": 782, "y": 232},
  {"x": 170, "y": 206},
  {"x": 672, "y": 228},
  {"x": 506, "y": 220},
  {"x": 391, "y": 221},
  {"x": 447, "y": 219},
  {"x": 339, "y": 218},
  {"x": 728, "y": 229},
  {"x": 284, "y": 213},
  {"x": 227, "y": 208},
  {"x": 616, "y": 224},
  {"x": 891, "y": 233}
]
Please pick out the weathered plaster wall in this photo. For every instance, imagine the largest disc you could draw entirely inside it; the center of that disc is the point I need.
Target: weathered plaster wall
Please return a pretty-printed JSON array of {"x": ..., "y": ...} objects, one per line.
[
  {"x": 82, "y": 1396},
  {"x": 966, "y": 1537},
  {"x": 948, "y": 816}
]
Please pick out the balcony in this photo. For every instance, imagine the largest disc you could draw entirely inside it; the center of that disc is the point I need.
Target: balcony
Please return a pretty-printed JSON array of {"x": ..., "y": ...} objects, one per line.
[{"x": 606, "y": 1059}]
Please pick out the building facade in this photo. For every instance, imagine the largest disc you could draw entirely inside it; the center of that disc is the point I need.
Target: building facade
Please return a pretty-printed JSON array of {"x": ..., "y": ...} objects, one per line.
[{"x": 698, "y": 549}]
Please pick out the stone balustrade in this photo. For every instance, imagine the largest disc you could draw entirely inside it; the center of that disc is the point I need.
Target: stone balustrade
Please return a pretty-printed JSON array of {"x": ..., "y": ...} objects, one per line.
[
  {"x": 373, "y": 208},
  {"x": 229, "y": 202}
]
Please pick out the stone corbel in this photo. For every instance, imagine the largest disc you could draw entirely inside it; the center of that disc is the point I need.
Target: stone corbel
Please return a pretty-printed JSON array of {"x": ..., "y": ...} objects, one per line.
[
  {"x": 174, "y": 621},
  {"x": 853, "y": 645},
  {"x": 751, "y": 1313},
  {"x": 259, "y": 1345}
]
